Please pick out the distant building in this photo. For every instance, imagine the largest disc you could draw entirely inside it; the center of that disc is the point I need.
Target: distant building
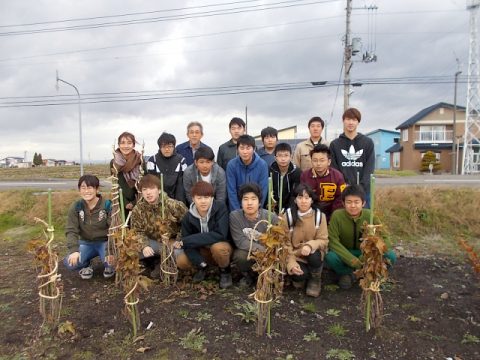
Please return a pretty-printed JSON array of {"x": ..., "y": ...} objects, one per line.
[
  {"x": 11, "y": 161},
  {"x": 49, "y": 162},
  {"x": 431, "y": 129},
  {"x": 286, "y": 135},
  {"x": 382, "y": 139}
]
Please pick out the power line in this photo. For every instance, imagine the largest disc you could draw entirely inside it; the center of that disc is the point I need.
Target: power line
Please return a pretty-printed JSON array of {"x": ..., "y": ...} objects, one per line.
[
  {"x": 130, "y": 96},
  {"x": 235, "y": 10}
]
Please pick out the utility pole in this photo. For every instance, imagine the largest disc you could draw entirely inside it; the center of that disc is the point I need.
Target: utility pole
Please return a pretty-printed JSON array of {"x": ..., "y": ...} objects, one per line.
[
  {"x": 454, "y": 136},
  {"x": 347, "y": 64},
  {"x": 471, "y": 139}
]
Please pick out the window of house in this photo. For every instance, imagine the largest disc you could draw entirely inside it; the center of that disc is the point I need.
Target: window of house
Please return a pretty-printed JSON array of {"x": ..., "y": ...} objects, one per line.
[
  {"x": 405, "y": 135},
  {"x": 432, "y": 133}
]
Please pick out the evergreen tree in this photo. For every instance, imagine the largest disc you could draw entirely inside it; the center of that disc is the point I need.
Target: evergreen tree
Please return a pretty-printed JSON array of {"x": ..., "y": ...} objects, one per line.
[
  {"x": 35, "y": 159},
  {"x": 429, "y": 158}
]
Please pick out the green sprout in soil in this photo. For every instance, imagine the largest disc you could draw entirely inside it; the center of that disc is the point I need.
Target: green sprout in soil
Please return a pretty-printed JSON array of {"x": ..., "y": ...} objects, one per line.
[
  {"x": 201, "y": 316},
  {"x": 337, "y": 330},
  {"x": 311, "y": 336},
  {"x": 333, "y": 312},
  {"x": 340, "y": 354},
  {"x": 470, "y": 339},
  {"x": 194, "y": 340},
  {"x": 310, "y": 307},
  {"x": 183, "y": 313},
  {"x": 247, "y": 311},
  {"x": 331, "y": 287},
  {"x": 413, "y": 318}
]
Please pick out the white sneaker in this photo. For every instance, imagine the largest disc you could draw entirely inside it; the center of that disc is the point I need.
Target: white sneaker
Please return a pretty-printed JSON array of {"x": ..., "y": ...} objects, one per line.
[
  {"x": 86, "y": 273},
  {"x": 108, "y": 272}
]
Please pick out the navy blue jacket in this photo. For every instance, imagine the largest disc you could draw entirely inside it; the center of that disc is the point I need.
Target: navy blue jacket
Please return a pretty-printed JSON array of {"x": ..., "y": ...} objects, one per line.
[{"x": 186, "y": 151}]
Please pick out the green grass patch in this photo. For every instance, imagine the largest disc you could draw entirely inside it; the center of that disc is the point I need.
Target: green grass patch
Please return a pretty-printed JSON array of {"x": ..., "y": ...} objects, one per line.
[{"x": 395, "y": 173}]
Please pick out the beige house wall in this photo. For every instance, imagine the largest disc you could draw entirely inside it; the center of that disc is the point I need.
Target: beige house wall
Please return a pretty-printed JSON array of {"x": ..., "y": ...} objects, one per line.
[{"x": 410, "y": 158}]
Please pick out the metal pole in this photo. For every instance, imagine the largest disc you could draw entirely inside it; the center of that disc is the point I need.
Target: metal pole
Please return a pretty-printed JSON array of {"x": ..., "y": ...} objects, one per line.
[
  {"x": 454, "y": 136},
  {"x": 347, "y": 59},
  {"x": 79, "y": 120}
]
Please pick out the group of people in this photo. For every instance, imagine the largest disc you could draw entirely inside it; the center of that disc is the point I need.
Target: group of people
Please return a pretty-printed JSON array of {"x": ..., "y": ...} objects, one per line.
[{"x": 215, "y": 208}]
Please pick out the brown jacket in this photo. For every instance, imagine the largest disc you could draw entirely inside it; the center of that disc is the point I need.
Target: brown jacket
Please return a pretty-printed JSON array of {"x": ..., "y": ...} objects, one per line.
[
  {"x": 305, "y": 233},
  {"x": 301, "y": 156}
]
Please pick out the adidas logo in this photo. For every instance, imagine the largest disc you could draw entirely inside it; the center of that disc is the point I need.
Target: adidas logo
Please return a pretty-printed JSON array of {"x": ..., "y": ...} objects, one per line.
[{"x": 351, "y": 155}]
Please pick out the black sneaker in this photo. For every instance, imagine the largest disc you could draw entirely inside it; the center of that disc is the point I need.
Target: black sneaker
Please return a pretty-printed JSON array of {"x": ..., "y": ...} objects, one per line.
[
  {"x": 225, "y": 280},
  {"x": 346, "y": 281},
  {"x": 199, "y": 276}
]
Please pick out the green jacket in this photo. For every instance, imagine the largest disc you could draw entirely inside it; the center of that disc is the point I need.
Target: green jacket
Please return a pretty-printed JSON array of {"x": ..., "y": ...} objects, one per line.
[
  {"x": 85, "y": 224},
  {"x": 344, "y": 234},
  {"x": 147, "y": 219}
]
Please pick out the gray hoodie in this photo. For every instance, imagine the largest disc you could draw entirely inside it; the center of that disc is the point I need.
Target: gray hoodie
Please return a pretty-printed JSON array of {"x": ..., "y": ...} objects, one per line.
[{"x": 191, "y": 176}]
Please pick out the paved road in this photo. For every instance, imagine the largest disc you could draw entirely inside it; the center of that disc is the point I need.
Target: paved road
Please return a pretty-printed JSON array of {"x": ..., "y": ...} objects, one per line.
[
  {"x": 421, "y": 180},
  {"x": 432, "y": 180},
  {"x": 54, "y": 184}
]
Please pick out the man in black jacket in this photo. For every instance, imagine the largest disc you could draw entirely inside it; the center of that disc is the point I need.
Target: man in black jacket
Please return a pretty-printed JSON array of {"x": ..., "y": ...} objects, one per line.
[
  {"x": 204, "y": 235},
  {"x": 169, "y": 164},
  {"x": 353, "y": 153}
]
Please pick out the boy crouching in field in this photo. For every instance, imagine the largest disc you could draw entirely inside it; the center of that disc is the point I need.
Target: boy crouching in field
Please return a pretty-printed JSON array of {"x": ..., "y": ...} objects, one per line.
[
  {"x": 204, "y": 235},
  {"x": 86, "y": 229},
  {"x": 344, "y": 233}
]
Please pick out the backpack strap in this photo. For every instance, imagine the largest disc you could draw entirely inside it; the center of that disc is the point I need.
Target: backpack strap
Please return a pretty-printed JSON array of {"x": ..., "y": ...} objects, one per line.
[
  {"x": 318, "y": 218},
  {"x": 289, "y": 217}
]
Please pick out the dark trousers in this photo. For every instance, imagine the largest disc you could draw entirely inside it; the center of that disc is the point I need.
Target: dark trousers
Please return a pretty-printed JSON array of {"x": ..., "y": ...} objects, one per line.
[{"x": 313, "y": 265}]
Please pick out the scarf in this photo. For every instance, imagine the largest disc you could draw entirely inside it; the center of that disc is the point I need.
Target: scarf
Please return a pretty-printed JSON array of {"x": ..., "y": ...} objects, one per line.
[{"x": 129, "y": 165}]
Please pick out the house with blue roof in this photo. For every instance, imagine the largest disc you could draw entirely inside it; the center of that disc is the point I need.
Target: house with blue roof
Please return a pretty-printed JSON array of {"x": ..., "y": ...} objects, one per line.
[
  {"x": 383, "y": 140},
  {"x": 431, "y": 129}
]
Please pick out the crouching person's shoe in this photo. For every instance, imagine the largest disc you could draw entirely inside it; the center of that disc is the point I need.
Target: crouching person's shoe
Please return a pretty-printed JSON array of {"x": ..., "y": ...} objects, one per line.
[
  {"x": 247, "y": 280},
  {"x": 314, "y": 284},
  {"x": 225, "y": 278},
  {"x": 199, "y": 276},
  {"x": 346, "y": 281},
  {"x": 86, "y": 273},
  {"x": 108, "y": 272}
]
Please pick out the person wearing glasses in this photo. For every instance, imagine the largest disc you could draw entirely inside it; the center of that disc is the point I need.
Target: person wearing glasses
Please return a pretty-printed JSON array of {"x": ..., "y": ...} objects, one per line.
[{"x": 169, "y": 164}]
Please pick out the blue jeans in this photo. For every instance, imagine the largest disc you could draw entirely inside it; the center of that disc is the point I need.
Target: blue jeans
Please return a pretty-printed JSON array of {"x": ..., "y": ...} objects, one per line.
[{"x": 88, "y": 250}]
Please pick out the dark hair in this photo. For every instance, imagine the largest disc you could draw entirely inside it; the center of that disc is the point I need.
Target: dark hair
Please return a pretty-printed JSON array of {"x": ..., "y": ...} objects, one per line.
[
  {"x": 246, "y": 140},
  {"x": 321, "y": 148},
  {"x": 282, "y": 147},
  {"x": 149, "y": 181},
  {"x": 202, "y": 188},
  {"x": 316, "y": 119},
  {"x": 269, "y": 131},
  {"x": 89, "y": 180},
  {"x": 299, "y": 190},
  {"x": 352, "y": 113},
  {"x": 236, "y": 121},
  {"x": 127, "y": 135},
  {"x": 250, "y": 188},
  {"x": 354, "y": 190},
  {"x": 204, "y": 152},
  {"x": 166, "y": 139}
]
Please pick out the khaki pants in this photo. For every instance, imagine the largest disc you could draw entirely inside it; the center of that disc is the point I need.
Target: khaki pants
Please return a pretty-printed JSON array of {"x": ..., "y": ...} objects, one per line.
[{"x": 217, "y": 254}]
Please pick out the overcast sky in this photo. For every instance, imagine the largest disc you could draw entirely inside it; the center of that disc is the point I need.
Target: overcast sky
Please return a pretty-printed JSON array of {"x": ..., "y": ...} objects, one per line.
[{"x": 299, "y": 42}]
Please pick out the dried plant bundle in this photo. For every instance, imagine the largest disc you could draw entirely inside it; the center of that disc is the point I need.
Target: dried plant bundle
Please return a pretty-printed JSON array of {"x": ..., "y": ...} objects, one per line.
[
  {"x": 373, "y": 273},
  {"x": 270, "y": 265},
  {"x": 50, "y": 288},
  {"x": 132, "y": 282},
  {"x": 472, "y": 255}
]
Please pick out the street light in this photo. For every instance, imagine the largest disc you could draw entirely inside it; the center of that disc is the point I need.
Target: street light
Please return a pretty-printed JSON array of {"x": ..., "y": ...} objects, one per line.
[{"x": 79, "y": 119}]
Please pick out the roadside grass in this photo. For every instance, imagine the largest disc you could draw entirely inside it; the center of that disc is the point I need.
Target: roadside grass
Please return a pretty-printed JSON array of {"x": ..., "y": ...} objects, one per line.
[
  {"x": 395, "y": 173},
  {"x": 54, "y": 172},
  {"x": 430, "y": 218}
]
